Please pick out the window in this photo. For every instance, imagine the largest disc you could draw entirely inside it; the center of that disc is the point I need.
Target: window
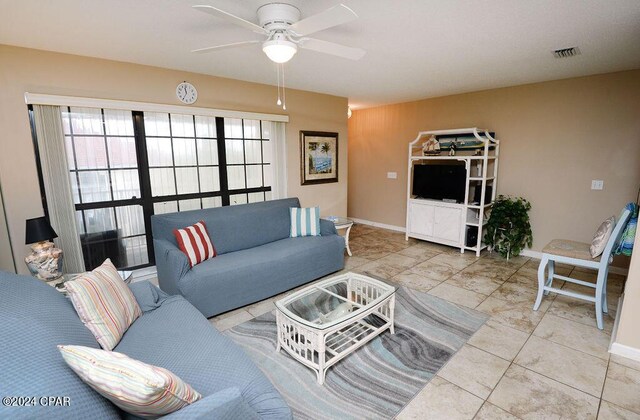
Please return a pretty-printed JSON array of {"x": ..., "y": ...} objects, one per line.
[
  {"x": 103, "y": 166},
  {"x": 127, "y": 165}
]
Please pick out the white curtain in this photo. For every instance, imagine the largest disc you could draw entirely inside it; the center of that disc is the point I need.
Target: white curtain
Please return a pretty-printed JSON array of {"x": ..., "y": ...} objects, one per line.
[
  {"x": 279, "y": 163},
  {"x": 57, "y": 185}
]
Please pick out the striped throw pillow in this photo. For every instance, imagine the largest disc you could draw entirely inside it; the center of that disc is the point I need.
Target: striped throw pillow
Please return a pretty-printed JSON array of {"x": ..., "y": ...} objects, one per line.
[
  {"x": 136, "y": 387},
  {"x": 104, "y": 303},
  {"x": 195, "y": 242},
  {"x": 305, "y": 221}
]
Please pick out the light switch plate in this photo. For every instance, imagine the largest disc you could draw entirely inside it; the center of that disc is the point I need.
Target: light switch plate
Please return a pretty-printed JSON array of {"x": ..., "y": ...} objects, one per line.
[
  {"x": 392, "y": 175},
  {"x": 597, "y": 184}
]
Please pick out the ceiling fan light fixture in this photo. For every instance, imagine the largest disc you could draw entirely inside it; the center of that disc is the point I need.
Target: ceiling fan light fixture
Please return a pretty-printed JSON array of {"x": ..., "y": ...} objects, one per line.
[{"x": 279, "y": 50}]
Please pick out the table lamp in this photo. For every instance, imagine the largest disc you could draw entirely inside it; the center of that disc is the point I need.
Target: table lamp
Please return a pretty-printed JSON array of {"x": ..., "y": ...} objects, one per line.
[{"x": 45, "y": 260}]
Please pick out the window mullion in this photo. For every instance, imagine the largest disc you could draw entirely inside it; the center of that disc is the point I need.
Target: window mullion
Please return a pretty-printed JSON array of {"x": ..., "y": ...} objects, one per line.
[
  {"x": 145, "y": 179},
  {"x": 222, "y": 161}
]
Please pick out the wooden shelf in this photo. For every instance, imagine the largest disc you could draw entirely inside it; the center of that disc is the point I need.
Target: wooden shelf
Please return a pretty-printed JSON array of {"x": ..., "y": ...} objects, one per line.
[
  {"x": 456, "y": 157},
  {"x": 478, "y": 207},
  {"x": 475, "y": 248}
]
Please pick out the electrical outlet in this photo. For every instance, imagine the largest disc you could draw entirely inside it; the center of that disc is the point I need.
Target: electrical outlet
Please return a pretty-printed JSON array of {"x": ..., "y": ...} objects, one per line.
[
  {"x": 597, "y": 184},
  {"x": 392, "y": 175}
]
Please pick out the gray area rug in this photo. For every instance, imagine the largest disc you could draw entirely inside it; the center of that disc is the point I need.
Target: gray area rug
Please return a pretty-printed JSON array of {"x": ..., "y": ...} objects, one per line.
[{"x": 379, "y": 379}]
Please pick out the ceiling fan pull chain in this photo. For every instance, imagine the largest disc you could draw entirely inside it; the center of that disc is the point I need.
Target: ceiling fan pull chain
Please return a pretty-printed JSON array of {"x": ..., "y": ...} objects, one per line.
[
  {"x": 278, "y": 102},
  {"x": 284, "y": 94}
]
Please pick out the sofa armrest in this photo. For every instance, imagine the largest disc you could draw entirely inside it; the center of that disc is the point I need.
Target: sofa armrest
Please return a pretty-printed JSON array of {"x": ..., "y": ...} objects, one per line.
[
  {"x": 171, "y": 265},
  {"x": 327, "y": 228},
  {"x": 227, "y": 404},
  {"x": 148, "y": 296}
]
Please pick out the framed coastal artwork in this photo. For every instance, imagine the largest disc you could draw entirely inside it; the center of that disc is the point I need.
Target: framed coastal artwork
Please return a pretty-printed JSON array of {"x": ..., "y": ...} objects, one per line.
[{"x": 319, "y": 157}]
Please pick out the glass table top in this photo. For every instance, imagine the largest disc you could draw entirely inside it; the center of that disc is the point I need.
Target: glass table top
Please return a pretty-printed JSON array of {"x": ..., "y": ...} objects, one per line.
[
  {"x": 327, "y": 303},
  {"x": 337, "y": 220}
]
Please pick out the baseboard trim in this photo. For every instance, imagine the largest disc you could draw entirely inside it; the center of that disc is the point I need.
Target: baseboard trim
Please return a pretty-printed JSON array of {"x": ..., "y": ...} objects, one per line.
[
  {"x": 625, "y": 351},
  {"x": 380, "y": 225},
  {"x": 531, "y": 253},
  {"x": 525, "y": 252}
]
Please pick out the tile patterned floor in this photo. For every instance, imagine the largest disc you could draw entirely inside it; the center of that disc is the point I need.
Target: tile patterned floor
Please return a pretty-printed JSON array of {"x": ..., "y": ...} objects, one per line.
[{"x": 552, "y": 363}]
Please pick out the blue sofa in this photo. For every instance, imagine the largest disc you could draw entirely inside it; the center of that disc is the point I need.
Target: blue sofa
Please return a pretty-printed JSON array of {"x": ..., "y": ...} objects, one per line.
[
  {"x": 256, "y": 257},
  {"x": 171, "y": 333}
]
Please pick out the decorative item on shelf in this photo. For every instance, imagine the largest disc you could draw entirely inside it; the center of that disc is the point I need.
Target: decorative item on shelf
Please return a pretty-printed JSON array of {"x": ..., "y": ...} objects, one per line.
[
  {"x": 452, "y": 149},
  {"x": 431, "y": 147},
  {"x": 463, "y": 142},
  {"x": 508, "y": 227},
  {"x": 318, "y": 158},
  {"x": 45, "y": 261}
]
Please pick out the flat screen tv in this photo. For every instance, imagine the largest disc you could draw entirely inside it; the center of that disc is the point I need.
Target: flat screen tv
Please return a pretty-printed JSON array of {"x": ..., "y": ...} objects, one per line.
[{"x": 438, "y": 182}]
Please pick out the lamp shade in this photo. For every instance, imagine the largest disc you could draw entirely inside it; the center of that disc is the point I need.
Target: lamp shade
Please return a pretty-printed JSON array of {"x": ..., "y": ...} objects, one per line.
[
  {"x": 39, "y": 230},
  {"x": 279, "y": 50}
]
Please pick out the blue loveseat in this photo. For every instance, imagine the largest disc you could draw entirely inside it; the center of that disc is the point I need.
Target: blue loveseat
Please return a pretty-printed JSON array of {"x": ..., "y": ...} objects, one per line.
[
  {"x": 171, "y": 333},
  {"x": 256, "y": 257}
]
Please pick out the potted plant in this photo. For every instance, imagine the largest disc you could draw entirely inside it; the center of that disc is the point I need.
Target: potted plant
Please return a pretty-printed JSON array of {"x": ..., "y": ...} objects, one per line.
[{"x": 508, "y": 227}]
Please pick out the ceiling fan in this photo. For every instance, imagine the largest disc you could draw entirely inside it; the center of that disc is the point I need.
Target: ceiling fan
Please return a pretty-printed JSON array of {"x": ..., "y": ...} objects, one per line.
[{"x": 285, "y": 32}]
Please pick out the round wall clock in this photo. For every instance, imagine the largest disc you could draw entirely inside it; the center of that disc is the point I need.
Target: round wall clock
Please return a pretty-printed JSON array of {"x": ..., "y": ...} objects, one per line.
[{"x": 187, "y": 93}]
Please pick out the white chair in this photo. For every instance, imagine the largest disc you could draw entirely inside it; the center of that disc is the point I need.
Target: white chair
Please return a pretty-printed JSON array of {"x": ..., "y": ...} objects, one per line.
[{"x": 577, "y": 254}]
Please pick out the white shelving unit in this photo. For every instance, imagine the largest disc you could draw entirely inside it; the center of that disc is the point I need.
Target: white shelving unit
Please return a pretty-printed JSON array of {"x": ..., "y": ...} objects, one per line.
[{"x": 445, "y": 222}]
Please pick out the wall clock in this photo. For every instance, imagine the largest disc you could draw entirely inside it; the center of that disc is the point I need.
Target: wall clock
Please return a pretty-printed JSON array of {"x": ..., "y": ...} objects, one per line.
[{"x": 187, "y": 93}]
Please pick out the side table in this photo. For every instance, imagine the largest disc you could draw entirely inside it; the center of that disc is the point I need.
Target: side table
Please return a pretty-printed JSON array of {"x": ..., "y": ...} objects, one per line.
[{"x": 343, "y": 223}]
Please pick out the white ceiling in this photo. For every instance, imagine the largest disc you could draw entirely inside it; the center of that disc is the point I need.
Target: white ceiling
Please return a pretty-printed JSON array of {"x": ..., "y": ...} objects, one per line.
[{"x": 415, "y": 48}]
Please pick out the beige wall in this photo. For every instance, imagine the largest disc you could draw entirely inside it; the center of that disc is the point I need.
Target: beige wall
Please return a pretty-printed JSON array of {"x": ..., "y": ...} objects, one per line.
[
  {"x": 628, "y": 331},
  {"x": 6, "y": 255},
  {"x": 25, "y": 70},
  {"x": 555, "y": 138}
]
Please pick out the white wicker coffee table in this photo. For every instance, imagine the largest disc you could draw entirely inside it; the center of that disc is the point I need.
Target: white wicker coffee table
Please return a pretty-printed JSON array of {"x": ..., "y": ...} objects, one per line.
[{"x": 323, "y": 323}]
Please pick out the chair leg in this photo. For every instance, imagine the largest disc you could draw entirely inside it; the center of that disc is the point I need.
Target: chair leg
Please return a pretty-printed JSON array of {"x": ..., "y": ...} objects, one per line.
[
  {"x": 550, "y": 273},
  {"x": 541, "y": 280},
  {"x": 605, "y": 309},
  {"x": 600, "y": 306}
]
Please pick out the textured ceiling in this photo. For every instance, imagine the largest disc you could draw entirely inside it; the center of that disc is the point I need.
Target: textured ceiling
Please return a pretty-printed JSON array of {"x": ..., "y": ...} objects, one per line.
[{"x": 415, "y": 48}]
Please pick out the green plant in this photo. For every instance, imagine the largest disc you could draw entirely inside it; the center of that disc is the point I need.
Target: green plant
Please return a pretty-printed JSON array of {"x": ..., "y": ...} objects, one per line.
[{"x": 508, "y": 227}]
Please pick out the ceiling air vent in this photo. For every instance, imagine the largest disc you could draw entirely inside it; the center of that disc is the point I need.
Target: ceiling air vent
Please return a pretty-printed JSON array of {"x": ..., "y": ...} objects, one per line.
[{"x": 566, "y": 52}]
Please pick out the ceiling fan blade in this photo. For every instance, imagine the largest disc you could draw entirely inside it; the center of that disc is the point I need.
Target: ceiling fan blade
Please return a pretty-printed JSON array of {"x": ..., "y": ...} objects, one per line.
[
  {"x": 337, "y": 15},
  {"x": 230, "y": 18},
  {"x": 332, "y": 48},
  {"x": 222, "y": 47}
]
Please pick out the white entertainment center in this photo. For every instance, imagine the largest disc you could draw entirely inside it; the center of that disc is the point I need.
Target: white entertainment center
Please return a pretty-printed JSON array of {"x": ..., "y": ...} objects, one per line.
[{"x": 453, "y": 222}]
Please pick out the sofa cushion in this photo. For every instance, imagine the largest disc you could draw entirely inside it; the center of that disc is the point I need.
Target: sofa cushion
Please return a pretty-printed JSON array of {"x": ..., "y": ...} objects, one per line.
[
  {"x": 104, "y": 303},
  {"x": 194, "y": 241},
  {"x": 304, "y": 221},
  {"x": 232, "y": 228},
  {"x": 177, "y": 337},
  {"x": 134, "y": 386},
  {"x": 34, "y": 319},
  {"x": 264, "y": 271}
]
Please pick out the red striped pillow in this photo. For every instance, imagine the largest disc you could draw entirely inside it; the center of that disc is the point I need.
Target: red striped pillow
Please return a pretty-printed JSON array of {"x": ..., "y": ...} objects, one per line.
[{"x": 194, "y": 241}]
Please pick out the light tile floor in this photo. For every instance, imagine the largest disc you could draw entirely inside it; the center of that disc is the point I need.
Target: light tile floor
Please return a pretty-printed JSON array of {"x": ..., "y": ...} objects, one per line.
[{"x": 552, "y": 363}]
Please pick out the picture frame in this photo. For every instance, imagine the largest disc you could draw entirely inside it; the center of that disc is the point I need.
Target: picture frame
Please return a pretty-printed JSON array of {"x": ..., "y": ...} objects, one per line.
[{"x": 318, "y": 157}]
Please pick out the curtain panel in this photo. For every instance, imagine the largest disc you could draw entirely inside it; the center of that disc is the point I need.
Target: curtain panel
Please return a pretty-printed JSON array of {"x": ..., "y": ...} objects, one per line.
[{"x": 57, "y": 185}]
